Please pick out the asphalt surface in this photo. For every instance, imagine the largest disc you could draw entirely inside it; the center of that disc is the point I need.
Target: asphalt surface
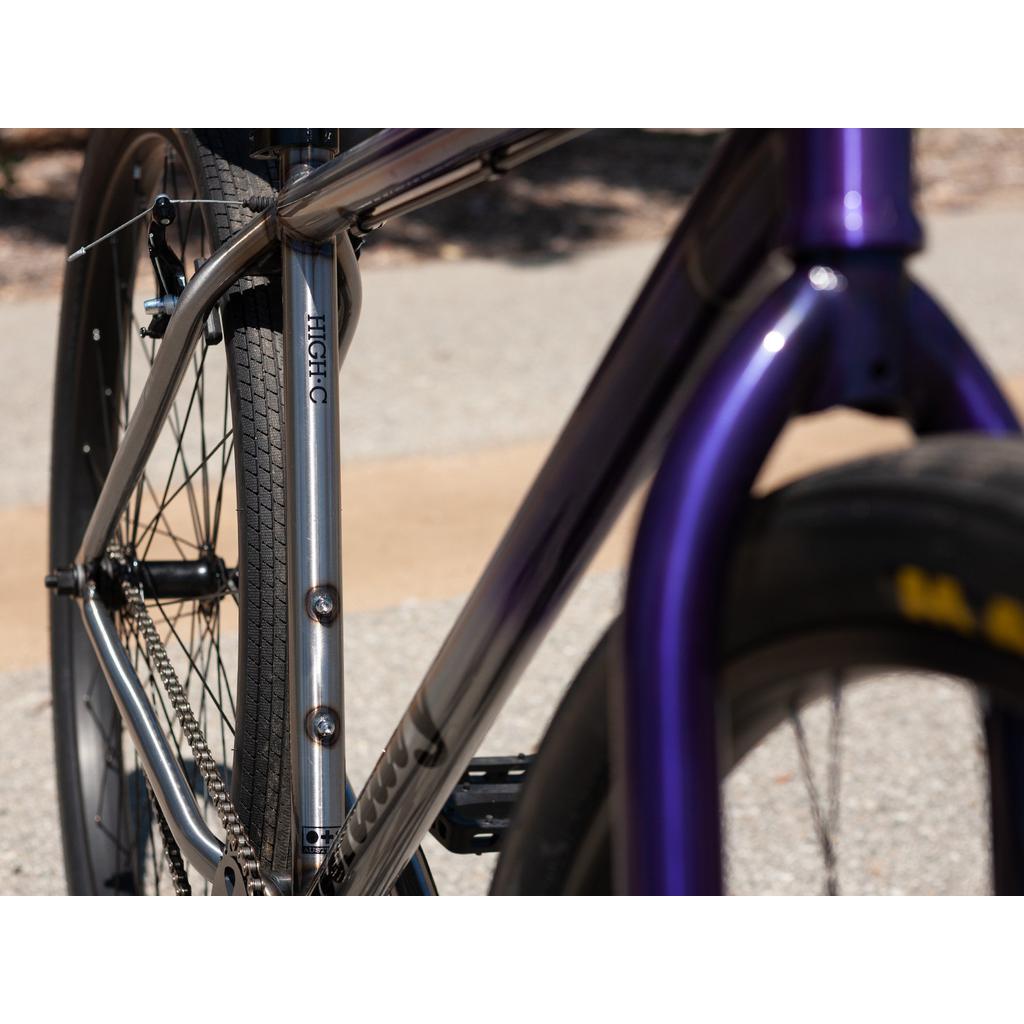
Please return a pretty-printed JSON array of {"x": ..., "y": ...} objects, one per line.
[{"x": 461, "y": 374}]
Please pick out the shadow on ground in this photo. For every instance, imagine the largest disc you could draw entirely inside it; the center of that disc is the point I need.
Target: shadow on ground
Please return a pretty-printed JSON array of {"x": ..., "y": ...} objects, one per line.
[
  {"x": 43, "y": 218},
  {"x": 607, "y": 185}
]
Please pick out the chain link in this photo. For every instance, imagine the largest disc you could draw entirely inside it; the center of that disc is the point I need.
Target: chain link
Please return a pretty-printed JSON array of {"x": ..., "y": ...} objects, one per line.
[{"x": 237, "y": 839}]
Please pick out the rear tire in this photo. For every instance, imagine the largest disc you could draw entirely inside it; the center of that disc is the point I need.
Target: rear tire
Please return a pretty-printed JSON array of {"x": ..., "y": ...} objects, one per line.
[{"x": 109, "y": 835}]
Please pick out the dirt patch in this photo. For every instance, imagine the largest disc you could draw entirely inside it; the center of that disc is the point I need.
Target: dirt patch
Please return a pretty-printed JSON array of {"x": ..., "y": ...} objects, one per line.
[{"x": 610, "y": 185}]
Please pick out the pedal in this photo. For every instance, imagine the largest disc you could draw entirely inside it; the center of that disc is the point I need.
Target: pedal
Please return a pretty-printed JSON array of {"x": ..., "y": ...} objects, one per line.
[{"x": 477, "y": 814}]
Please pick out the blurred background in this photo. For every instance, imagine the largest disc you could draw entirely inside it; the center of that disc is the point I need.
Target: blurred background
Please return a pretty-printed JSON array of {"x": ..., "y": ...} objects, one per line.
[
  {"x": 608, "y": 187},
  {"x": 483, "y": 318}
]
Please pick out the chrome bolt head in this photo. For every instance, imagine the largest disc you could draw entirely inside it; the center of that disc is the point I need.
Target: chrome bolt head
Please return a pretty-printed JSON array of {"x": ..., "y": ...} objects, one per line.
[
  {"x": 325, "y": 725},
  {"x": 323, "y": 604}
]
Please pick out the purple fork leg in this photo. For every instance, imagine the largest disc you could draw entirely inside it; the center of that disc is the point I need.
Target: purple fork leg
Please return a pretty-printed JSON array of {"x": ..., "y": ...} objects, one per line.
[
  {"x": 673, "y": 837},
  {"x": 949, "y": 387}
]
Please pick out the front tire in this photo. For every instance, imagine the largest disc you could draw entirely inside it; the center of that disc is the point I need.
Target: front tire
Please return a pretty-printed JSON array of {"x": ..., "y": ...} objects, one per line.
[{"x": 909, "y": 559}]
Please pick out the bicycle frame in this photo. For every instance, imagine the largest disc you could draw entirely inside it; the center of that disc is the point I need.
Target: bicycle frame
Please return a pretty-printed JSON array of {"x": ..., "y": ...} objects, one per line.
[{"x": 692, "y": 363}]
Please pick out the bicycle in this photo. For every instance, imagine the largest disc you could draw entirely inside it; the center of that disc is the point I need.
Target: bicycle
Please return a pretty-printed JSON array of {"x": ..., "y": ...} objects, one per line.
[{"x": 253, "y": 240}]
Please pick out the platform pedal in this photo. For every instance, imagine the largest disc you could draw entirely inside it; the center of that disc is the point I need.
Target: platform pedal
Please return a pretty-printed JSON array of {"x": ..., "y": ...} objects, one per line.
[{"x": 479, "y": 810}]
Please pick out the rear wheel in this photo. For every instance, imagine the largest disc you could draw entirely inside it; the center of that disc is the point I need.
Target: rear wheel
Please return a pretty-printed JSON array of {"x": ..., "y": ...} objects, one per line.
[
  {"x": 212, "y": 494},
  {"x": 902, "y": 566}
]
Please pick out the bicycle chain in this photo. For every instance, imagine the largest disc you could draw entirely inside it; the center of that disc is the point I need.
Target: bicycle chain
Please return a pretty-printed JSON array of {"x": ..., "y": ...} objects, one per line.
[
  {"x": 172, "y": 852},
  {"x": 237, "y": 839}
]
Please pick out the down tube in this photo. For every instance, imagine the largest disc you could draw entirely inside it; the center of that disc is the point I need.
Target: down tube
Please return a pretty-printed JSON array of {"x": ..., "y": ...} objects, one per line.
[{"x": 613, "y": 434}]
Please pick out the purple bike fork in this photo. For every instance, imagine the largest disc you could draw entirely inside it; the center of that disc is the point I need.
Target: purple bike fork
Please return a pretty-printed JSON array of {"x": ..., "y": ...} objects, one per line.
[{"x": 848, "y": 327}]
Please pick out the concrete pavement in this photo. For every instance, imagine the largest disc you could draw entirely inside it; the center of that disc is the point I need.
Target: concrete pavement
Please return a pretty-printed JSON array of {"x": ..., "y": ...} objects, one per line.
[{"x": 459, "y": 377}]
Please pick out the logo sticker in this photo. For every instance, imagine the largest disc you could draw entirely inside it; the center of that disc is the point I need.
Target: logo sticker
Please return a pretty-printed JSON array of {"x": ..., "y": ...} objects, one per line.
[{"x": 317, "y": 839}]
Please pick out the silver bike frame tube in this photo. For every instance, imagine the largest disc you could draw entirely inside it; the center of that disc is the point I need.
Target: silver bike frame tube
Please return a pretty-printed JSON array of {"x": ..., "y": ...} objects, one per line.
[
  {"x": 199, "y": 846},
  {"x": 401, "y": 169},
  {"x": 313, "y": 473}
]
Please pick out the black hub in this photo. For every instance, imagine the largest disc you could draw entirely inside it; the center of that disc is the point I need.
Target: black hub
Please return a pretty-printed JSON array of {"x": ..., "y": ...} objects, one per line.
[{"x": 202, "y": 579}]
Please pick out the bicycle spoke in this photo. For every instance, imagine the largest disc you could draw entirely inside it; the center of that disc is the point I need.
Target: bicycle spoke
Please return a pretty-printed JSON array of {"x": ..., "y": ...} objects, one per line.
[
  {"x": 203, "y": 457},
  {"x": 177, "y": 454},
  {"x": 192, "y": 664},
  {"x": 826, "y": 820},
  {"x": 221, "y": 674},
  {"x": 168, "y": 500},
  {"x": 225, "y": 462}
]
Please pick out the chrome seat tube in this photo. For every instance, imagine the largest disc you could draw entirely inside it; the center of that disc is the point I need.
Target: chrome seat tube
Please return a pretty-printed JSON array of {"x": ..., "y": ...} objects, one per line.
[{"x": 313, "y": 475}]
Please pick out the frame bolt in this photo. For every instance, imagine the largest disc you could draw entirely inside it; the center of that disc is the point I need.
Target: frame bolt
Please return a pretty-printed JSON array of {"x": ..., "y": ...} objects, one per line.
[
  {"x": 323, "y": 604},
  {"x": 325, "y": 725}
]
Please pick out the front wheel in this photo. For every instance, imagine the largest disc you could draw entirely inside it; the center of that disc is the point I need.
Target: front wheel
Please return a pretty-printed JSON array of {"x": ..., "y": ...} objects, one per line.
[{"x": 893, "y": 567}]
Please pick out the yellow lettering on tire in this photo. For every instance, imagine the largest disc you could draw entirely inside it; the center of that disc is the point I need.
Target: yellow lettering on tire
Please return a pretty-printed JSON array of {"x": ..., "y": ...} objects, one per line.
[
  {"x": 935, "y": 598},
  {"x": 939, "y": 600},
  {"x": 1003, "y": 623}
]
